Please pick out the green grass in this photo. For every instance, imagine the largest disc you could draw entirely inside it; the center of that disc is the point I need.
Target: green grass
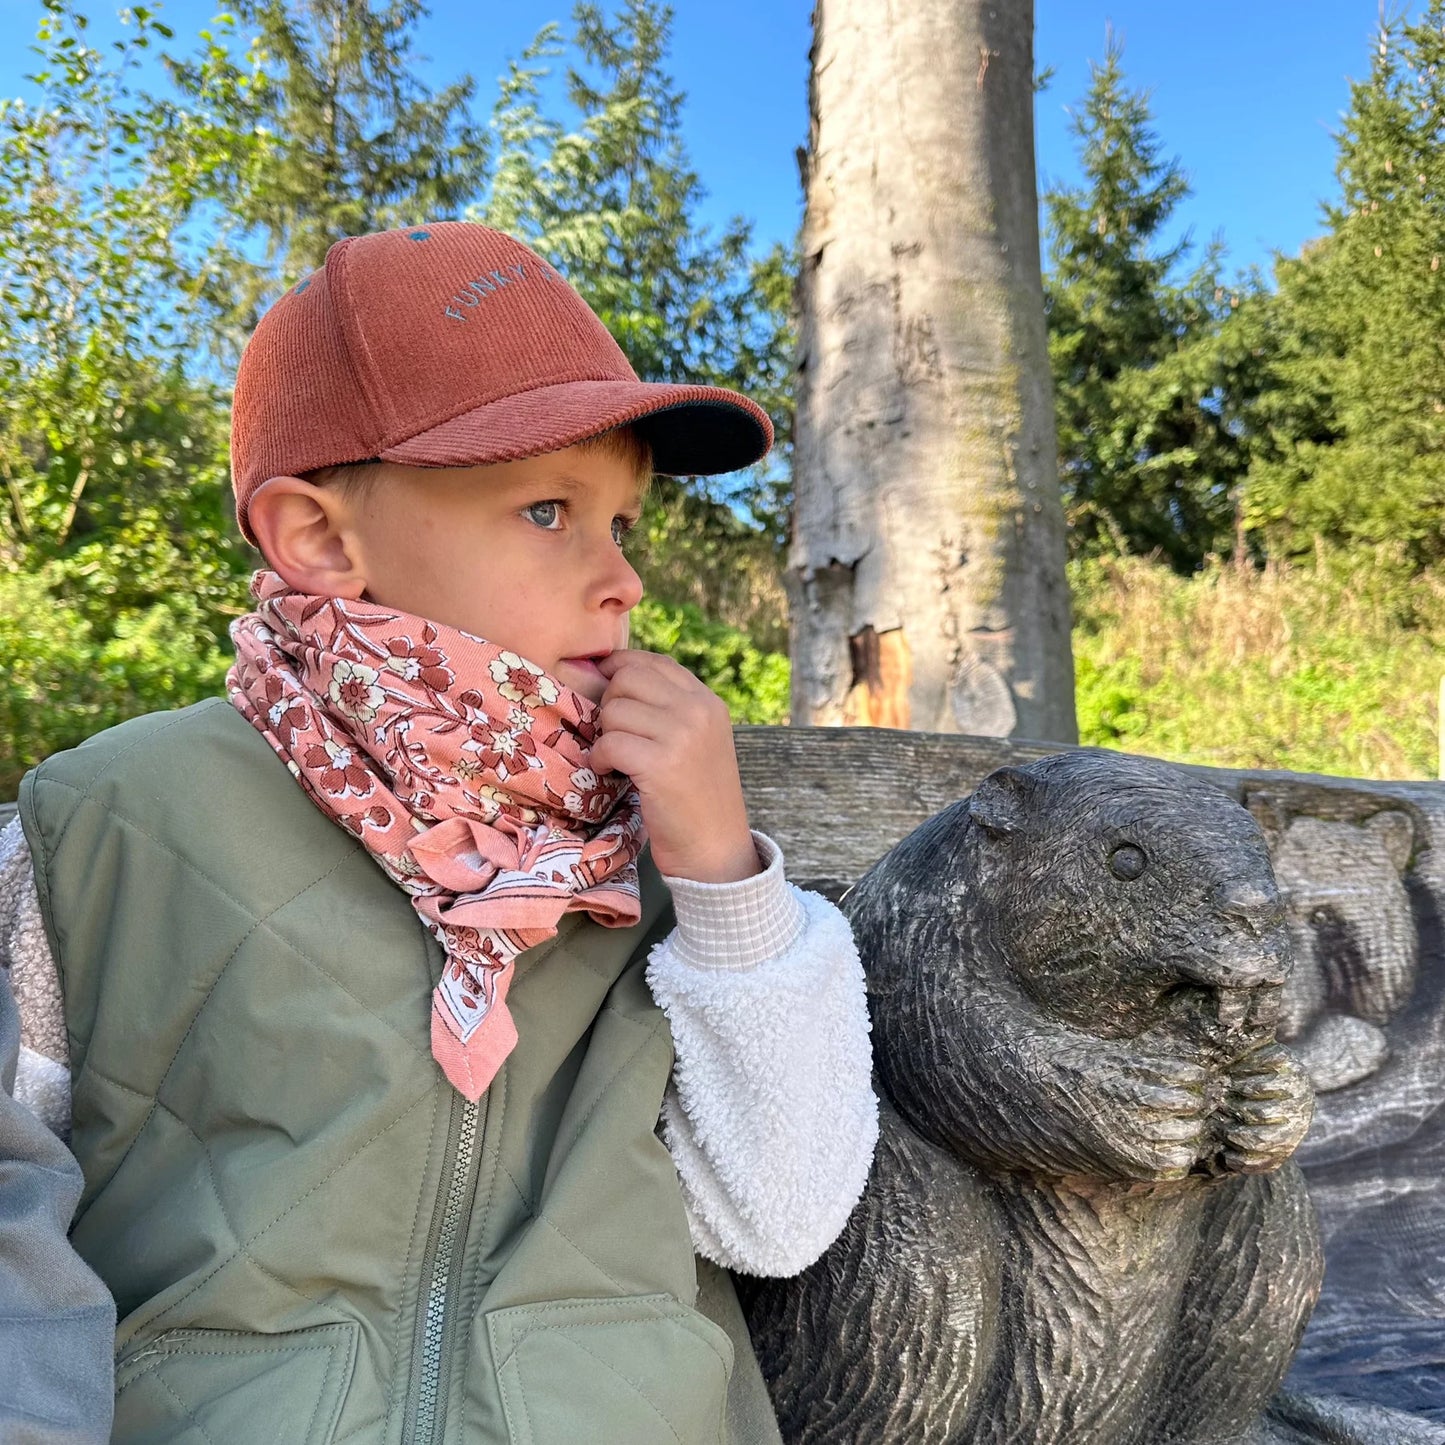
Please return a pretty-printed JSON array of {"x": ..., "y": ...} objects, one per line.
[{"x": 1333, "y": 668}]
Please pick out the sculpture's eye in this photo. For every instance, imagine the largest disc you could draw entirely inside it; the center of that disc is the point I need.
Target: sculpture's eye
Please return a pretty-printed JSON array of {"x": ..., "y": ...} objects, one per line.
[{"x": 1127, "y": 862}]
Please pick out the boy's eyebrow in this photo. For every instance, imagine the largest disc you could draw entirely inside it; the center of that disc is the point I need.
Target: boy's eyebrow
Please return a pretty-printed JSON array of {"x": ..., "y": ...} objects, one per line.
[{"x": 567, "y": 482}]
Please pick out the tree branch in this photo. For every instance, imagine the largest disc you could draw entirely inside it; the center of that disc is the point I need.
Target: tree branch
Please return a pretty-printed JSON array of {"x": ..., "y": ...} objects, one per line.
[{"x": 81, "y": 478}]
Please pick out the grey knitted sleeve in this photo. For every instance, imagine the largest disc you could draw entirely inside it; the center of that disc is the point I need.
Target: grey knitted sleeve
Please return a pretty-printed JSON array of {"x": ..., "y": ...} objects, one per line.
[
  {"x": 42, "y": 1078},
  {"x": 57, "y": 1321}
]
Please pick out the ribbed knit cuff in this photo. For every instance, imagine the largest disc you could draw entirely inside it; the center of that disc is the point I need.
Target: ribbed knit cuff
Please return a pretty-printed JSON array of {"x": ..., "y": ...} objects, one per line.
[{"x": 736, "y": 926}]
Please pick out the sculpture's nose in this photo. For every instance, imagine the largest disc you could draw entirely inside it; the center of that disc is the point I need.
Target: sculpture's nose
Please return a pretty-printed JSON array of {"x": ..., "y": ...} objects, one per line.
[
  {"x": 1252, "y": 954},
  {"x": 1254, "y": 903}
]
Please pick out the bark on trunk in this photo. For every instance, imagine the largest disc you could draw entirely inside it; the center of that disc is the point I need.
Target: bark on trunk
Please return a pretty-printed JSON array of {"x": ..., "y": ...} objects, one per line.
[{"x": 927, "y": 567}]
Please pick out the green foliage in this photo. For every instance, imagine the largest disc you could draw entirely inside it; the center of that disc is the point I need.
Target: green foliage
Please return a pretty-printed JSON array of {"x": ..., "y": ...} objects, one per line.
[
  {"x": 1352, "y": 448},
  {"x": 98, "y": 299},
  {"x": 609, "y": 195},
  {"x": 691, "y": 550},
  {"x": 1333, "y": 667},
  {"x": 1143, "y": 390},
  {"x": 753, "y": 683},
  {"x": 118, "y": 569},
  {"x": 340, "y": 136},
  {"x": 91, "y": 235},
  {"x": 66, "y": 677}
]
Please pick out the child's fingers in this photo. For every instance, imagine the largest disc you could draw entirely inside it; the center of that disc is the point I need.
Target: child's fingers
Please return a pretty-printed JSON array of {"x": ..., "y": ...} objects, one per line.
[
  {"x": 618, "y": 657},
  {"x": 646, "y": 675},
  {"x": 630, "y": 660},
  {"x": 620, "y": 753},
  {"x": 629, "y": 715},
  {"x": 649, "y": 690},
  {"x": 686, "y": 712}
]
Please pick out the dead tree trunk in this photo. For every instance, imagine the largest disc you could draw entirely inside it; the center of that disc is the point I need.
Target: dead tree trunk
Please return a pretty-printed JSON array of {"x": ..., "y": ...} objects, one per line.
[{"x": 927, "y": 567}]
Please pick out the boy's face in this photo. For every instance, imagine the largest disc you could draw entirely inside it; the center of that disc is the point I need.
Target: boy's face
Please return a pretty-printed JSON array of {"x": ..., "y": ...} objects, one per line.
[{"x": 524, "y": 554}]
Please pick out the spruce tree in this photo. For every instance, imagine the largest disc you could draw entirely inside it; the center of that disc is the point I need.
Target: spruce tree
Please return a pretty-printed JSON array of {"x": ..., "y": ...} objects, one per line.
[
  {"x": 605, "y": 189},
  {"x": 1353, "y": 451},
  {"x": 1148, "y": 457},
  {"x": 610, "y": 195},
  {"x": 613, "y": 195},
  {"x": 354, "y": 142}
]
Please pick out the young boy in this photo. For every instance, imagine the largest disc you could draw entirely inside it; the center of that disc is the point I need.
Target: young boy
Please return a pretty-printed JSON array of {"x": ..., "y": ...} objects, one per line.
[{"x": 321, "y": 1217}]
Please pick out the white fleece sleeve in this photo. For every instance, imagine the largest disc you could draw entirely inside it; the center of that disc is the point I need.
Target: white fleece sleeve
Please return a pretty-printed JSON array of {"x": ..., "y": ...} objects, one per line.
[{"x": 771, "y": 1117}]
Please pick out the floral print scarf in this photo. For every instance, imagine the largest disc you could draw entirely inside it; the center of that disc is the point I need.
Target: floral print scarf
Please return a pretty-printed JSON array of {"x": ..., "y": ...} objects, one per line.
[{"x": 464, "y": 770}]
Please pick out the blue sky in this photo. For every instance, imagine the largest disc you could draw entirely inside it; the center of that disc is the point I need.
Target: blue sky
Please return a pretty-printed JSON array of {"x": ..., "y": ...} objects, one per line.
[{"x": 1246, "y": 94}]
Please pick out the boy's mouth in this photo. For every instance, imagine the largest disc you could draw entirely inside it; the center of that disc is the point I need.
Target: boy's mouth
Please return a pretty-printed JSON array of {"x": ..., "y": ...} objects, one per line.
[{"x": 588, "y": 662}]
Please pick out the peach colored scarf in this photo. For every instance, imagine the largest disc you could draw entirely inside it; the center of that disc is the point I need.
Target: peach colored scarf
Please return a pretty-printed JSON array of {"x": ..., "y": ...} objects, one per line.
[{"x": 464, "y": 771}]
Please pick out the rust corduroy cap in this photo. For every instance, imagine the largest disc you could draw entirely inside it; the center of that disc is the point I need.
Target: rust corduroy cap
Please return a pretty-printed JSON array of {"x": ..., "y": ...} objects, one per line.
[{"x": 452, "y": 345}]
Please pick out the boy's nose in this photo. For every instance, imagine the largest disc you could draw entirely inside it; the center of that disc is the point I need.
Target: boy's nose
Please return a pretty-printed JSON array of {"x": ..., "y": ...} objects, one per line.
[{"x": 617, "y": 580}]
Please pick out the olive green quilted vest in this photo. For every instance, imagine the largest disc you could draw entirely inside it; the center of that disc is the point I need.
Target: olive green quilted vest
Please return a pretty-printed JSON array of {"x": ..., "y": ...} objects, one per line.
[{"x": 311, "y": 1237}]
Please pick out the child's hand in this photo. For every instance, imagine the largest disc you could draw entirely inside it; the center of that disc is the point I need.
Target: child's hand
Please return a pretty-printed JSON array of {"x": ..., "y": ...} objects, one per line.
[{"x": 672, "y": 736}]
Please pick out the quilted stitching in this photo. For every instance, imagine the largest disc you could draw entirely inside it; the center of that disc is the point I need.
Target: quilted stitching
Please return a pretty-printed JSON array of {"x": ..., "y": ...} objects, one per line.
[{"x": 262, "y": 921}]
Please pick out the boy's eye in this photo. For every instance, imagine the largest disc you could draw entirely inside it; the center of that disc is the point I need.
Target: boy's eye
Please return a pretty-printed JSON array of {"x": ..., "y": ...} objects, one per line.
[
  {"x": 545, "y": 514},
  {"x": 621, "y": 526}
]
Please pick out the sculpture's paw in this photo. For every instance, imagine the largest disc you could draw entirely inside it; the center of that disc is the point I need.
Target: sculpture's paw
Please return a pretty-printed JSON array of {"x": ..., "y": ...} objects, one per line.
[
  {"x": 1266, "y": 1110},
  {"x": 1143, "y": 1114}
]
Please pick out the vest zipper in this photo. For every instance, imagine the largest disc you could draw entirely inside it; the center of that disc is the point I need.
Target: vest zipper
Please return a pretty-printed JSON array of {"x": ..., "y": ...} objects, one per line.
[{"x": 445, "y": 1250}]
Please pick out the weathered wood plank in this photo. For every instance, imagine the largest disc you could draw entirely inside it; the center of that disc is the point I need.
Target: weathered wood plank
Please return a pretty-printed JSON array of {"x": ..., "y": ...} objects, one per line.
[{"x": 837, "y": 799}]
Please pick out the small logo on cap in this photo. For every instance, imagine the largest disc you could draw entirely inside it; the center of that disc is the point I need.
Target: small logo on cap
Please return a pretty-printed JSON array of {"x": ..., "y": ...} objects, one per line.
[
  {"x": 420, "y": 235},
  {"x": 475, "y": 292}
]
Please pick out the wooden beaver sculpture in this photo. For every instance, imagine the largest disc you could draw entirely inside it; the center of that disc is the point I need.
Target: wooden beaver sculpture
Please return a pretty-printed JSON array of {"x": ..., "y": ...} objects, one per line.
[{"x": 1080, "y": 1226}]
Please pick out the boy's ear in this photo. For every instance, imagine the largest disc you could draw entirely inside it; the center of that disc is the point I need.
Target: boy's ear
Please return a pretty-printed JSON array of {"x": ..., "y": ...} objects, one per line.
[{"x": 305, "y": 534}]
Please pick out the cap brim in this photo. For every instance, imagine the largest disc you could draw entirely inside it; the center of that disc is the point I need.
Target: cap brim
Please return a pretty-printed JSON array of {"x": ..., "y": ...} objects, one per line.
[{"x": 692, "y": 430}]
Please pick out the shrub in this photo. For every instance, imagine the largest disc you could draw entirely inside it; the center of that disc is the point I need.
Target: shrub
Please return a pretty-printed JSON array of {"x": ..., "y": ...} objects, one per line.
[
  {"x": 1331, "y": 668},
  {"x": 753, "y": 683},
  {"x": 63, "y": 681}
]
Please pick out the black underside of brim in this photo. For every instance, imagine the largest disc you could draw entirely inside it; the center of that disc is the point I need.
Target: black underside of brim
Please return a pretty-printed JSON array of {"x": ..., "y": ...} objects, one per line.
[{"x": 702, "y": 439}]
